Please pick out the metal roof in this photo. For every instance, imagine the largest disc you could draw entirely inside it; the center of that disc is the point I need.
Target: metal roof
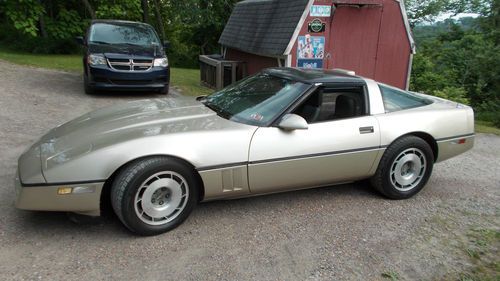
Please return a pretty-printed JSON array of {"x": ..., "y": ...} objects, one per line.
[{"x": 263, "y": 27}]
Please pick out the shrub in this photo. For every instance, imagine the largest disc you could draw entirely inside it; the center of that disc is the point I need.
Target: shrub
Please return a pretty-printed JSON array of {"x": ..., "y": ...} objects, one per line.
[
  {"x": 453, "y": 93},
  {"x": 11, "y": 39},
  {"x": 489, "y": 111}
]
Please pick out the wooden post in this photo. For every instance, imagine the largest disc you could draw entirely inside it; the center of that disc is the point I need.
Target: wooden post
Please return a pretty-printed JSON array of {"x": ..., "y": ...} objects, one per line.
[
  {"x": 219, "y": 83},
  {"x": 234, "y": 66}
]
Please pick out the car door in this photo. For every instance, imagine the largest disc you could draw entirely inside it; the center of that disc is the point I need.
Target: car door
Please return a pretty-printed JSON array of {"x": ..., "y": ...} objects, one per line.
[{"x": 330, "y": 150}]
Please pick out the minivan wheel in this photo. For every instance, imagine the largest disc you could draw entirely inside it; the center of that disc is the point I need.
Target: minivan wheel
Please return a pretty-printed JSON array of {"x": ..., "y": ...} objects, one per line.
[
  {"x": 89, "y": 90},
  {"x": 404, "y": 168},
  {"x": 154, "y": 195},
  {"x": 164, "y": 90}
]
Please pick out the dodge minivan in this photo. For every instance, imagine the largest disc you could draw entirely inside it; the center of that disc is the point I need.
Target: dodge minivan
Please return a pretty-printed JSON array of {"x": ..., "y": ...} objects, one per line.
[{"x": 124, "y": 56}]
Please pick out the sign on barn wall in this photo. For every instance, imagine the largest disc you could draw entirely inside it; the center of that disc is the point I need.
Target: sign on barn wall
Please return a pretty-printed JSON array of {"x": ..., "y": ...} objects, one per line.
[
  {"x": 321, "y": 11},
  {"x": 310, "y": 51},
  {"x": 316, "y": 26}
]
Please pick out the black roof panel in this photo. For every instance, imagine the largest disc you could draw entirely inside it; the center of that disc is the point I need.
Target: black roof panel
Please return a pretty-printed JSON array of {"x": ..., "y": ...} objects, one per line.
[
  {"x": 263, "y": 27},
  {"x": 312, "y": 76}
]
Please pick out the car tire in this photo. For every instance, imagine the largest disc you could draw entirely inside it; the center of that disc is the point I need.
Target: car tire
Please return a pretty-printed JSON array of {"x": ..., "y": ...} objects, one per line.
[
  {"x": 164, "y": 90},
  {"x": 89, "y": 90},
  {"x": 154, "y": 195},
  {"x": 404, "y": 168}
]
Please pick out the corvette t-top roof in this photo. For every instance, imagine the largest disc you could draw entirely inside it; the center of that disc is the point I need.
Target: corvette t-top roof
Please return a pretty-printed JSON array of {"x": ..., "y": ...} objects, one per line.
[{"x": 313, "y": 76}]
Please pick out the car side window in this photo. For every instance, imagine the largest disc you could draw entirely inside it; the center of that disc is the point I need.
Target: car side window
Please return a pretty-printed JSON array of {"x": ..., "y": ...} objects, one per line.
[
  {"x": 395, "y": 99},
  {"x": 333, "y": 104}
]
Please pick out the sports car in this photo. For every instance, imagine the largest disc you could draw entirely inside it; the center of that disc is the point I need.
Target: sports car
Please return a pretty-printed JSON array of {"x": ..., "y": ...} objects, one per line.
[{"x": 282, "y": 129}]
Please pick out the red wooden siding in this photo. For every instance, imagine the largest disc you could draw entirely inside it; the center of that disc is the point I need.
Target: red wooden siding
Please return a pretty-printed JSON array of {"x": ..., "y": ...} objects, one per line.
[
  {"x": 255, "y": 63},
  {"x": 367, "y": 36},
  {"x": 358, "y": 2},
  {"x": 354, "y": 38},
  {"x": 393, "y": 55},
  {"x": 304, "y": 31}
]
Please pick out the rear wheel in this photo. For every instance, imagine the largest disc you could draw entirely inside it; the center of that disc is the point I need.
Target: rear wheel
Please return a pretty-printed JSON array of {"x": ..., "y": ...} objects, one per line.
[
  {"x": 154, "y": 195},
  {"x": 404, "y": 168}
]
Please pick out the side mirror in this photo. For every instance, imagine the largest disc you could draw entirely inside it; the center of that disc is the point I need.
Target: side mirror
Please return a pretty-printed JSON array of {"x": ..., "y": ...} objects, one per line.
[
  {"x": 166, "y": 44},
  {"x": 291, "y": 122},
  {"x": 80, "y": 40}
]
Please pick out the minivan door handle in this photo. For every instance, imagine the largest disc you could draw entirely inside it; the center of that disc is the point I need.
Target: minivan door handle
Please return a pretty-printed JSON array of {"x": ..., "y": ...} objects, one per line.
[{"x": 366, "y": 130}]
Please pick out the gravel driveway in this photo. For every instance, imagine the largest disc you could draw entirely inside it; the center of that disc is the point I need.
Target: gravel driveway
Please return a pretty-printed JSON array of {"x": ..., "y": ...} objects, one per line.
[{"x": 345, "y": 232}]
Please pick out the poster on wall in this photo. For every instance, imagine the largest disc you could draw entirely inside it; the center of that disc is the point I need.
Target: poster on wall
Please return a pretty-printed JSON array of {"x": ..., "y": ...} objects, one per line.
[
  {"x": 320, "y": 11},
  {"x": 310, "y": 51}
]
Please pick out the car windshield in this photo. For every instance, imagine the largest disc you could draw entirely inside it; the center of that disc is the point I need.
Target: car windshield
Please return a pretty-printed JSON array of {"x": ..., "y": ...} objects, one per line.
[
  {"x": 256, "y": 100},
  {"x": 108, "y": 33}
]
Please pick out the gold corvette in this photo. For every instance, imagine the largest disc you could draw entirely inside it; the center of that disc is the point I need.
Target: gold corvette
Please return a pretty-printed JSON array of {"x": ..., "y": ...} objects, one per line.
[{"x": 282, "y": 129}]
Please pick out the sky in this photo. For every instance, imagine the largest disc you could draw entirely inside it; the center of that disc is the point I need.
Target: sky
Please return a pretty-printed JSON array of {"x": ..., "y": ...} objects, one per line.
[{"x": 450, "y": 15}]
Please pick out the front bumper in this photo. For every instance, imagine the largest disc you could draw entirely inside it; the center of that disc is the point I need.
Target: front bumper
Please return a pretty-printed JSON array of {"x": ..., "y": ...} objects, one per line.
[
  {"x": 105, "y": 78},
  {"x": 84, "y": 198}
]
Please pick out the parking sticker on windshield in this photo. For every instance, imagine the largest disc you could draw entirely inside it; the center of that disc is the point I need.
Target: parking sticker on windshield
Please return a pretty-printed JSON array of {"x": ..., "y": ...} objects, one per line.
[{"x": 257, "y": 117}]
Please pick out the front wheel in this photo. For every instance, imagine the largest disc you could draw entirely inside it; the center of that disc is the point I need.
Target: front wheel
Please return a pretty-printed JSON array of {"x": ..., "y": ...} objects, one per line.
[
  {"x": 154, "y": 195},
  {"x": 89, "y": 90},
  {"x": 164, "y": 90},
  {"x": 404, "y": 168}
]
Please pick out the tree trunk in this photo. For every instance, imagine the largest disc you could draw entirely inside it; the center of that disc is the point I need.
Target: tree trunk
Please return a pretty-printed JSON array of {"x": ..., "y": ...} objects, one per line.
[
  {"x": 89, "y": 8},
  {"x": 145, "y": 11},
  {"x": 41, "y": 23},
  {"x": 159, "y": 19}
]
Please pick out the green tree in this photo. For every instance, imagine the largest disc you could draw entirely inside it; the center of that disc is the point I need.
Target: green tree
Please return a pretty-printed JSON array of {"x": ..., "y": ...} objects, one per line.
[
  {"x": 462, "y": 63},
  {"x": 24, "y": 15}
]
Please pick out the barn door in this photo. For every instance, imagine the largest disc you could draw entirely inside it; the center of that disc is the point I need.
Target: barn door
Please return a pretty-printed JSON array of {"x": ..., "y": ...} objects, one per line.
[{"x": 354, "y": 37}]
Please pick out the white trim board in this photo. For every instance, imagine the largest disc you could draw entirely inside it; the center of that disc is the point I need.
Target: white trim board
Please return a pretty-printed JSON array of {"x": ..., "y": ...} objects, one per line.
[{"x": 301, "y": 22}]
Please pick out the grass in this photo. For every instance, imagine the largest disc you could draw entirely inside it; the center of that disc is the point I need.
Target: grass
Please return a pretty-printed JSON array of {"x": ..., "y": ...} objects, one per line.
[
  {"x": 391, "y": 274},
  {"x": 486, "y": 128},
  {"x": 482, "y": 250},
  {"x": 186, "y": 80},
  {"x": 60, "y": 62}
]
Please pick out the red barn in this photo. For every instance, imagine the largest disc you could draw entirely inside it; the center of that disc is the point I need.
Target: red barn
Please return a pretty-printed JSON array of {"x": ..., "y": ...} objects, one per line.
[{"x": 371, "y": 37}]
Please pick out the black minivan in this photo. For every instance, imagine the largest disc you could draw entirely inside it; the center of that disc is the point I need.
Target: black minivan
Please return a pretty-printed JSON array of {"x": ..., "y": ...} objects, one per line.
[{"x": 124, "y": 56}]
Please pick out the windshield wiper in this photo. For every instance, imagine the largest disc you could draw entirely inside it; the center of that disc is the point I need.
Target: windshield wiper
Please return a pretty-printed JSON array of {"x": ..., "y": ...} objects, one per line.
[
  {"x": 130, "y": 44},
  {"x": 100, "y": 42},
  {"x": 217, "y": 110}
]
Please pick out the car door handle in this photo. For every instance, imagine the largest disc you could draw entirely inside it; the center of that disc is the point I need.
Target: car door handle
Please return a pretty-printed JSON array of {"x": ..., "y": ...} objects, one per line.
[{"x": 366, "y": 130}]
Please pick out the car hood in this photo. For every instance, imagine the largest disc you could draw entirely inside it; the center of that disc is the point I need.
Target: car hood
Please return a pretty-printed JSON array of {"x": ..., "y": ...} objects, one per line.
[
  {"x": 129, "y": 121},
  {"x": 117, "y": 50}
]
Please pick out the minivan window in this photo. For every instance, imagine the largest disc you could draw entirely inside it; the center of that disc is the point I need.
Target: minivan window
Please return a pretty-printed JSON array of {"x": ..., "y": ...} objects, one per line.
[
  {"x": 108, "y": 33},
  {"x": 396, "y": 99}
]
